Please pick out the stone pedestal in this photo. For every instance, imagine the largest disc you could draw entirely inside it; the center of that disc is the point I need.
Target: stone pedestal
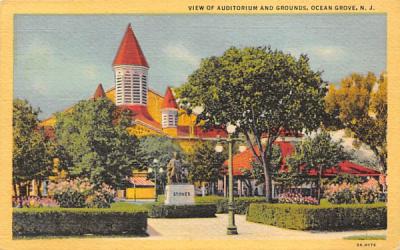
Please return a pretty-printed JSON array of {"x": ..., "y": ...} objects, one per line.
[{"x": 179, "y": 194}]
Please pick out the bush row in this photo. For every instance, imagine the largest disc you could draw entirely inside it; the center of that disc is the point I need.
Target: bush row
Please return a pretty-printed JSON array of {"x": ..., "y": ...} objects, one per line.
[
  {"x": 183, "y": 211},
  {"x": 79, "y": 221},
  {"x": 326, "y": 217},
  {"x": 241, "y": 203}
]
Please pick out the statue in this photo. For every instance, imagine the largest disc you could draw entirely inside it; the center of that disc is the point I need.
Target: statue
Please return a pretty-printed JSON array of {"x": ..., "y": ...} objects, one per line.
[
  {"x": 174, "y": 170},
  {"x": 178, "y": 191}
]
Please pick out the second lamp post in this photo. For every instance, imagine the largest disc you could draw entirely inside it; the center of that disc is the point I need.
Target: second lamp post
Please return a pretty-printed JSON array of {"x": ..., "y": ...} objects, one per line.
[{"x": 232, "y": 229}]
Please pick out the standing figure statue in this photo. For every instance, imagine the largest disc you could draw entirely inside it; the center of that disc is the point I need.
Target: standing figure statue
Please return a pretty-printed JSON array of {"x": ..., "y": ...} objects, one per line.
[{"x": 174, "y": 169}]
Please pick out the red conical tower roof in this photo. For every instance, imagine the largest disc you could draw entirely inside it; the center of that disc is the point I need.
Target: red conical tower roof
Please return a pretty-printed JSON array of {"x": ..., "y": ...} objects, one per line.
[
  {"x": 99, "y": 93},
  {"x": 129, "y": 52},
  {"x": 169, "y": 100}
]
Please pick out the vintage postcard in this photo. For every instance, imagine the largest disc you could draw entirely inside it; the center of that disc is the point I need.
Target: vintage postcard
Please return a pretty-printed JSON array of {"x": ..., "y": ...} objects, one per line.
[{"x": 199, "y": 125}]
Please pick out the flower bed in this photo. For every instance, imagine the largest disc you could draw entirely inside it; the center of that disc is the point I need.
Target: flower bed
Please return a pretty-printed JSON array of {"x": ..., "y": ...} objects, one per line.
[
  {"x": 297, "y": 199},
  {"x": 34, "y": 202},
  {"x": 321, "y": 217},
  {"x": 79, "y": 221}
]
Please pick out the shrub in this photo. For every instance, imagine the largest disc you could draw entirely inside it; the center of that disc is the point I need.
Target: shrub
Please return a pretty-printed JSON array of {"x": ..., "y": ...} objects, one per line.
[
  {"x": 296, "y": 199},
  {"x": 326, "y": 218},
  {"x": 183, "y": 211},
  {"x": 346, "y": 193},
  {"x": 79, "y": 221},
  {"x": 101, "y": 198},
  {"x": 80, "y": 193}
]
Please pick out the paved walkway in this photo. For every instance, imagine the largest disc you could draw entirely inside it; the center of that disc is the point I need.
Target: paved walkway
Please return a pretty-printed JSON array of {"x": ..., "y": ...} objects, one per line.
[{"x": 215, "y": 228}]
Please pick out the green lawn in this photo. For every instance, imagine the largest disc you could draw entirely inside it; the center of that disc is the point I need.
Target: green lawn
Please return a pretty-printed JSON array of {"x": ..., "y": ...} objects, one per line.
[{"x": 365, "y": 237}]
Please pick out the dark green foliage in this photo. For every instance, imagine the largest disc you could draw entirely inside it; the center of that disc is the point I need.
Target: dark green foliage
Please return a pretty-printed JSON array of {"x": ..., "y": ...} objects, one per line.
[
  {"x": 96, "y": 143},
  {"x": 32, "y": 152},
  {"x": 204, "y": 163},
  {"x": 70, "y": 199},
  {"x": 322, "y": 217},
  {"x": 183, "y": 211},
  {"x": 344, "y": 178},
  {"x": 79, "y": 221}
]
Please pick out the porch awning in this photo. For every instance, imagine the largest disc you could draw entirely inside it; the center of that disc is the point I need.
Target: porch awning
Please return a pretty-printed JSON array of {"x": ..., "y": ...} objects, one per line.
[{"x": 141, "y": 181}]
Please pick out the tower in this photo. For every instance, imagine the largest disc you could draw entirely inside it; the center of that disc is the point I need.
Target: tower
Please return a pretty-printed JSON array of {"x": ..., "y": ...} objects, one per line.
[
  {"x": 169, "y": 113},
  {"x": 130, "y": 72}
]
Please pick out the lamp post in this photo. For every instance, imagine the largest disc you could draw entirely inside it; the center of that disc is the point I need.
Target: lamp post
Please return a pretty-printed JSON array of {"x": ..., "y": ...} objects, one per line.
[
  {"x": 232, "y": 229},
  {"x": 156, "y": 169}
]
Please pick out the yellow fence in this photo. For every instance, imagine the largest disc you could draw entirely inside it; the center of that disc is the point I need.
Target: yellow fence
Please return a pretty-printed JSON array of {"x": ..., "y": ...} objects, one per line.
[{"x": 140, "y": 193}]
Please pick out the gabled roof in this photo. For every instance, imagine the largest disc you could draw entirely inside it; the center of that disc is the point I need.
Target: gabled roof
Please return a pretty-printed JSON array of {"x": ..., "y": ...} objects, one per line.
[
  {"x": 169, "y": 100},
  {"x": 99, "y": 93},
  {"x": 129, "y": 52}
]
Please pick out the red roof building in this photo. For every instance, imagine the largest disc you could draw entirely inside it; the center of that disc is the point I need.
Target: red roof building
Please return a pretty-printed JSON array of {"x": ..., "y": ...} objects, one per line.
[{"x": 243, "y": 161}]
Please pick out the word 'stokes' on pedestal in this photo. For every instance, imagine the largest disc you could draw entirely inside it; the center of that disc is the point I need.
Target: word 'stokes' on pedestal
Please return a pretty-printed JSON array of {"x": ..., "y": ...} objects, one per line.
[{"x": 179, "y": 194}]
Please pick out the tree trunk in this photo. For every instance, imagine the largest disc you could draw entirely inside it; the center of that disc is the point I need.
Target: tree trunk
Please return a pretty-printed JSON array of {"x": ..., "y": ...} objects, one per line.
[
  {"x": 39, "y": 193},
  {"x": 268, "y": 184},
  {"x": 22, "y": 192}
]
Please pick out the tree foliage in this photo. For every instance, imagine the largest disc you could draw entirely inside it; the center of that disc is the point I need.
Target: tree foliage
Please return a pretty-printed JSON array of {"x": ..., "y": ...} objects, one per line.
[
  {"x": 260, "y": 90},
  {"x": 32, "y": 152},
  {"x": 316, "y": 154},
  {"x": 360, "y": 104},
  {"x": 204, "y": 164},
  {"x": 161, "y": 148},
  {"x": 95, "y": 140}
]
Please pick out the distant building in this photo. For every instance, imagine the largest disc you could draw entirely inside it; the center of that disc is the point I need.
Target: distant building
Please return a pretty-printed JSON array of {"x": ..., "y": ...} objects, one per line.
[{"x": 154, "y": 114}]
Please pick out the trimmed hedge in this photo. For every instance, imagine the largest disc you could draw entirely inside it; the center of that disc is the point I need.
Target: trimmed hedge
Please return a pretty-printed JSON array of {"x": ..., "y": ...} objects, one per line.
[
  {"x": 79, "y": 221},
  {"x": 183, "y": 211},
  {"x": 322, "y": 217},
  {"x": 241, "y": 203}
]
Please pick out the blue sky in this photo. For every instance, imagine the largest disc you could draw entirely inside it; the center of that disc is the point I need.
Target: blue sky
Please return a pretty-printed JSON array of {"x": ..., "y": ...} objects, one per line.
[{"x": 61, "y": 59}]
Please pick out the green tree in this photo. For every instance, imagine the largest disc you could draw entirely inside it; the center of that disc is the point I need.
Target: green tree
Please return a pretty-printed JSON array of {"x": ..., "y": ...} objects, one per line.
[
  {"x": 96, "y": 142},
  {"x": 260, "y": 90},
  {"x": 360, "y": 104},
  {"x": 256, "y": 172},
  {"x": 32, "y": 152},
  {"x": 161, "y": 148},
  {"x": 316, "y": 154},
  {"x": 204, "y": 164}
]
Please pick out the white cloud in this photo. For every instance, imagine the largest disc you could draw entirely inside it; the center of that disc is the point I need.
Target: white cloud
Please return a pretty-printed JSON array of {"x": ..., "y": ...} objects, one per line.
[
  {"x": 180, "y": 52},
  {"x": 330, "y": 53}
]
